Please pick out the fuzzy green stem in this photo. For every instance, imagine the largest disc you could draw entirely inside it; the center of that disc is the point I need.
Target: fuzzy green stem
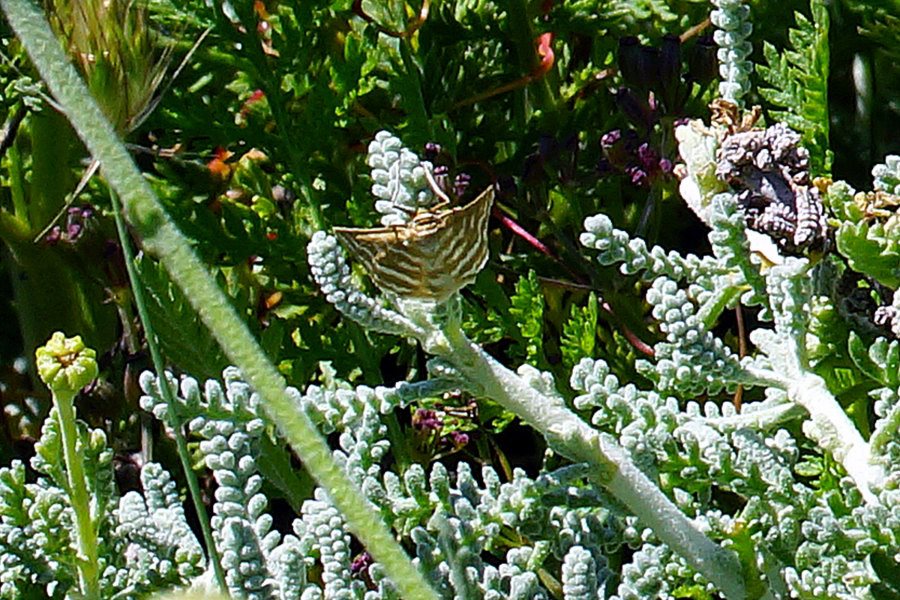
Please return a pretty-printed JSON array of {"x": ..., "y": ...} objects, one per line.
[
  {"x": 612, "y": 466},
  {"x": 85, "y": 533},
  {"x": 159, "y": 366},
  {"x": 161, "y": 236}
]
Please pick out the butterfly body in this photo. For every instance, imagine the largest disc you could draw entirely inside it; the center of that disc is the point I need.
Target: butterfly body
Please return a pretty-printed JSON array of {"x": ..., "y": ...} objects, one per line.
[{"x": 431, "y": 257}]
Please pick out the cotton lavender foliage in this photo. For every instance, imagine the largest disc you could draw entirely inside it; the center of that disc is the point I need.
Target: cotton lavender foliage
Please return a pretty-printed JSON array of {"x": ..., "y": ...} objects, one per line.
[
  {"x": 145, "y": 542},
  {"x": 452, "y": 519},
  {"x": 733, "y": 27},
  {"x": 400, "y": 181}
]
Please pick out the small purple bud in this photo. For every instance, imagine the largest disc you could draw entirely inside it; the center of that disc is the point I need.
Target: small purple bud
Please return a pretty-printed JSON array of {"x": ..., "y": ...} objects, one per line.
[
  {"x": 609, "y": 139},
  {"x": 73, "y": 231},
  {"x": 426, "y": 420},
  {"x": 647, "y": 156},
  {"x": 360, "y": 563},
  {"x": 637, "y": 175},
  {"x": 615, "y": 149},
  {"x": 666, "y": 166},
  {"x": 458, "y": 439},
  {"x": 461, "y": 184},
  {"x": 432, "y": 150},
  {"x": 442, "y": 177},
  {"x": 54, "y": 235}
]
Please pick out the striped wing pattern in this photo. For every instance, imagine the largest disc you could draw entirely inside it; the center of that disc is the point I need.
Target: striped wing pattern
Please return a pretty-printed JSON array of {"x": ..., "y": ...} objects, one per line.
[{"x": 431, "y": 257}]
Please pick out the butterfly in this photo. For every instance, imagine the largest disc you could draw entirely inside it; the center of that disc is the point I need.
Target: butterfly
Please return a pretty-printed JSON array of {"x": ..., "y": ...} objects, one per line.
[{"x": 434, "y": 255}]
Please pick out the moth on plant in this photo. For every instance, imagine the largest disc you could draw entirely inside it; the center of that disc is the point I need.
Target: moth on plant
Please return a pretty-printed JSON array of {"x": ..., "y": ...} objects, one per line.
[{"x": 432, "y": 256}]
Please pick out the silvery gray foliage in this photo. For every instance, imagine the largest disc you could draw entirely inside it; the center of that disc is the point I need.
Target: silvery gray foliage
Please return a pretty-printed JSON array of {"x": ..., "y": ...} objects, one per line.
[
  {"x": 145, "y": 543},
  {"x": 451, "y": 518},
  {"x": 733, "y": 27},
  {"x": 400, "y": 180},
  {"x": 693, "y": 452},
  {"x": 887, "y": 175},
  {"x": 330, "y": 271}
]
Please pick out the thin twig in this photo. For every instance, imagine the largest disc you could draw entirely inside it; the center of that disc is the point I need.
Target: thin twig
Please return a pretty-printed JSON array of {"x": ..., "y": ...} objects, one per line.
[{"x": 11, "y": 128}]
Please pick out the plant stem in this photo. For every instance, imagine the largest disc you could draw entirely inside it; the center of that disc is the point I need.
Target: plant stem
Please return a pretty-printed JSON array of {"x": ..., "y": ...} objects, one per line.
[
  {"x": 161, "y": 236},
  {"x": 612, "y": 466},
  {"x": 85, "y": 534},
  {"x": 159, "y": 366},
  {"x": 834, "y": 432}
]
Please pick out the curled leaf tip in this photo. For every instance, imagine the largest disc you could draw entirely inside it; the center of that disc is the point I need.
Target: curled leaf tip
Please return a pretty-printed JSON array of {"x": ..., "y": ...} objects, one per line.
[{"x": 66, "y": 364}]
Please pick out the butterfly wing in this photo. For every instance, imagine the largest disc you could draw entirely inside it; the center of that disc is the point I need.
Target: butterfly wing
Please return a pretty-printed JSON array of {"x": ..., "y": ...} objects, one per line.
[
  {"x": 461, "y": 246},
  {"x": 431, "y": 257}
]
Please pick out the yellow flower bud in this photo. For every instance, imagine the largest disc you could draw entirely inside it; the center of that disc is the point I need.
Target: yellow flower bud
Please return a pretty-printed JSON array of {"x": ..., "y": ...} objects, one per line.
[{"x": 65, "y": 364}]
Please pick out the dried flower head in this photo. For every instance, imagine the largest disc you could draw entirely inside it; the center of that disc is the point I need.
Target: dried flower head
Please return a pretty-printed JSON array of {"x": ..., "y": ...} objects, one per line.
[{"x": 770, "y": 172}]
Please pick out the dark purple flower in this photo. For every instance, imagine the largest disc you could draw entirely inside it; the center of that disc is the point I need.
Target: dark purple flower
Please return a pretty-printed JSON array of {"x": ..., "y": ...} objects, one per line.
[
  {"x": 616, "y": 148},
  {"x": 361, "y": 562},
  {"x": 610, "y": 138},
  {"x": 458, "y": 439},
  {"x": 432, "y": 150},
  {"x": 637, "y": 175},
  {"x": 426, "y": 420},
  {"x": 461, "y": 184},
  {"x": 648, "y": 157},
  {"x": 73, "y": 230},
  {"x": 629, "y": 59},
  {"x": 670, "y": 84},
  {"x": 53, "y": 236},
  {"x": 442, "y": 177}
]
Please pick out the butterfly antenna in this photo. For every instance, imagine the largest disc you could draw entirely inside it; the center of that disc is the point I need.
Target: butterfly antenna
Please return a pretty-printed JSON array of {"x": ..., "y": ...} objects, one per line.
[{"x": 445, "y": 199}]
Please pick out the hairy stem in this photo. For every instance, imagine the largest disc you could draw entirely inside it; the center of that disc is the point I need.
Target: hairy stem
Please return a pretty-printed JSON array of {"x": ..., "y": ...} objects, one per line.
[
  {"x": 612, "y": 466},
  {"x": 161, "y": 236},
  {"x": 833, "y": 430},
  {"x": 85, "y": 533},
  {"x": 159, "y": 366}
]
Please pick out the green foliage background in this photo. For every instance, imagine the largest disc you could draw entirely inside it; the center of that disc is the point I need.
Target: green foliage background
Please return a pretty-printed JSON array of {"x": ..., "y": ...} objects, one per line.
[{"x": 259, "y": 140}]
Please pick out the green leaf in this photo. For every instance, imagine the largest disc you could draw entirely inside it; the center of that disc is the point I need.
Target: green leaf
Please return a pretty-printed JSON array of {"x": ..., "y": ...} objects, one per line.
[
  {"x": 528, "y": 310},
  {"x": 798, "y": 83},
  {"x": 184, "y": 339},
  {"x": 579, "y": 337},
  {"x": 880, "y": 361},
  {"x": 888, "y": 570},
  {"x": 274, "y": 464},
  {"x": 871, "y": 248}
]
